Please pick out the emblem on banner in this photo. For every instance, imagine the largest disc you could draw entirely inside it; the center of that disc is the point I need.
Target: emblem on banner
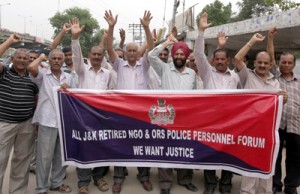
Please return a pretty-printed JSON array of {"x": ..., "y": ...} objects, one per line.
[{"x": 162, "y": 114}]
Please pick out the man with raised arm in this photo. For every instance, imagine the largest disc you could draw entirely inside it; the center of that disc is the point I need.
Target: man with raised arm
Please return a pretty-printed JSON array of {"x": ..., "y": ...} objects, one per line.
[
  {"x": 68, "y": 66},
  {"x": 17, "y": 104},
  {"x": 259, "y": 78},
  {"x": 122, "y": 36},
  {"x": 48, "y": 157},
  {"x": 90, "y": 76},
  {"x": 289, "y": 129},
  {"x": 174, "y": 76},
  {"x": 131, "y": 75},
  {"x": 214, "y": 76}
]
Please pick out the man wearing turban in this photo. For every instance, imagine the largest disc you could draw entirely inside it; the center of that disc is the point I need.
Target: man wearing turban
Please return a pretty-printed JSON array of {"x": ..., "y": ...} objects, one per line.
[{"x": 174, "y": 76}]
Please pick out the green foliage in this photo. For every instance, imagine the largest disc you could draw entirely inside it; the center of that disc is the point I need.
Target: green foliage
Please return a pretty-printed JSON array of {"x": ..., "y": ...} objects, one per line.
[
  {"x": 256, "y": 8},
  {"x": 281, "y": 5},
  {"x": 1, "y": 39},
  {"x": 98, "y": 36},
  {"x": 296, "y": 53},
  {"x": 218, "y": 13},
  {"x": 88, "y": 38}
]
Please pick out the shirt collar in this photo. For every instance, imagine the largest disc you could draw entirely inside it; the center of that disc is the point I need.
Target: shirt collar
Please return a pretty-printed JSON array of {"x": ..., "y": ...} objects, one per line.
[
  {"x": 12, "y": 69},
  {"x": 138, "y": 63},
  {"x": 185, "y": 71},
  {"x": 228, "y": 71},
  {"x": 270, "y": 75},
  {"x": 294, "y": 77},
  {"x": 49, "y": 72},
  {"x": 90, "y": 67}
]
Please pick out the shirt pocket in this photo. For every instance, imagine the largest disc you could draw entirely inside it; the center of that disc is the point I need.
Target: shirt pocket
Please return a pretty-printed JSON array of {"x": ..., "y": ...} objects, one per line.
[
  {"x": 103, "y": 82},
  {"x": 140, "y": 78}
]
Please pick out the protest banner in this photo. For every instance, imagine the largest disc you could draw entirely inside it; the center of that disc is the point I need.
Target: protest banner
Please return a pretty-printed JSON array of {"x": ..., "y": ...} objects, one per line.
[{"x": 231, "y": 130}]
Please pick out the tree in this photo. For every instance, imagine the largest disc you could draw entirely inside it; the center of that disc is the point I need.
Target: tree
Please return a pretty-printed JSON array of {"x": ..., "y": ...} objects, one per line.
[
  {"x": 218, "y": 13},
  {"x": 256, "y": 8},
  {"x": 1, "y": 39},
  {"x": 281, "y": 5},
  {"x": 88, "y": 37}
]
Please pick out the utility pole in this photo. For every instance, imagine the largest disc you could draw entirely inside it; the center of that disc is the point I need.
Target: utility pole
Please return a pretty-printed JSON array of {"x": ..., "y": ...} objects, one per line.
[
  {"x": 164, "y": 19},
  {"x": 25, "y": 17},
  {"x": 174, "y": 14},
  {"x": 136, "y": 29},
  {"x": 183, "y": 3}
]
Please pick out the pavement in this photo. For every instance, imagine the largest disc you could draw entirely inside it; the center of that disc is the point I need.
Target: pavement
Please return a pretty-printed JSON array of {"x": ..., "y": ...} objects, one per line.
[{"x": 131, "y": 184}]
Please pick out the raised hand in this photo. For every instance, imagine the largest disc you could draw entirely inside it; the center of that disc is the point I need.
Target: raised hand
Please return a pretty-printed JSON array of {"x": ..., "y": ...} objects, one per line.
[
  {"x": 111, "y": 20},
  {"x": 257, "y": 37},
  {"x": 14, "y": 38},
  {"x": 122, "y": 33},
  {"x": 222, "y": 39},
  {"x": 203, "y": 22},
  {"x": 171, "y": 39},
  {"x": 75, "y": 28},
  {"x": 42, "y": 57},
  {"x": 174, "y": 31},
  {"x": 66, "y": 27},
  {"x": 272, "y": 32},
  {"x": 145, "y": 21}
]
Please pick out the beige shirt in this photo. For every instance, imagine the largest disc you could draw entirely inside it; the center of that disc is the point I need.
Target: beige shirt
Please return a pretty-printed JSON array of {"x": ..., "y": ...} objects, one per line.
[{"x": 250, "y": 80}]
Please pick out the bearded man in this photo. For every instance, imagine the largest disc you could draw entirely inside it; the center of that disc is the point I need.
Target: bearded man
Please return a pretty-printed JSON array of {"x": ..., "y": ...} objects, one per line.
[{"x": 174, "y": 76}]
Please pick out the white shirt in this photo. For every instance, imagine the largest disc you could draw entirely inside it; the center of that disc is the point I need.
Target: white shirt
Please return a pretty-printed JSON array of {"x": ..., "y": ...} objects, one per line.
[
  {"x": 213, "y": 79},
  {"x": 45, "y": 113},
  {"x": 171, "y": 78},
  {"x": 154, "y": 80},
  {"x": 88, "y": 78},
  {"x": 113, "y": 81},
  {"x": 132, "y": 78}
]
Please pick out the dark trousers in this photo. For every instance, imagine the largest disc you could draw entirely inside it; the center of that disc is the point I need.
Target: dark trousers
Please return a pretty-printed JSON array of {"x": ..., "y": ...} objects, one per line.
[
  {"x": 165, "y": 177},
  {"x": 210, "y": 180},
  {"x": 120, "y": 172},
  {"x": 292, "y": 163},
  {"x": 86, "y": 174}
]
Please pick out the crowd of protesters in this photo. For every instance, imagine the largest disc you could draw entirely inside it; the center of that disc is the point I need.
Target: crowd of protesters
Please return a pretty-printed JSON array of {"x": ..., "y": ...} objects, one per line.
[{"x": 28, "y": 121}]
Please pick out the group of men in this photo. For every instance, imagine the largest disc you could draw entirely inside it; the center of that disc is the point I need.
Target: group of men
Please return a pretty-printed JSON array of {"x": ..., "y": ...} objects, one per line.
[{"x": 26, "y": 98}]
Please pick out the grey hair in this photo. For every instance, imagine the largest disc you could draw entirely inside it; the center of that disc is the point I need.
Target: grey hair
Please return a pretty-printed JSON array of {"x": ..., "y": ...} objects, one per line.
[
  {"x": 132, "y": 43},
  {"x": 56, "y": 51},
  {"x": 20, "y": 50}
]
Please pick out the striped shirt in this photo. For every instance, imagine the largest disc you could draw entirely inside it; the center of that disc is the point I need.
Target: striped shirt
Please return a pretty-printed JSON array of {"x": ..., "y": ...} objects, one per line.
[
  {"x": 291, "y": 110},
  {"x": 17, "y": 96}
]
